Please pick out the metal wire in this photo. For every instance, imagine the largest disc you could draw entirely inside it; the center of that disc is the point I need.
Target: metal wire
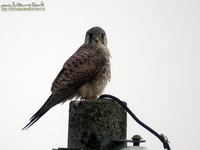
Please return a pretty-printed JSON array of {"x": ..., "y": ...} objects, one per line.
[{"x": 161, "y": 137}]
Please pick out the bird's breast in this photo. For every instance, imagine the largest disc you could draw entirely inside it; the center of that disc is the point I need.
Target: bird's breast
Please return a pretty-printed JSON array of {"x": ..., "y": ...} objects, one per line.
[{"x": 96, "y": 86}]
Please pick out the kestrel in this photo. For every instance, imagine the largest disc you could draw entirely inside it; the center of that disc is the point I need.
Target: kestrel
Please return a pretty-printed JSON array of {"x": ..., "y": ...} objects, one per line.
[{"x": 85, "y": 74}]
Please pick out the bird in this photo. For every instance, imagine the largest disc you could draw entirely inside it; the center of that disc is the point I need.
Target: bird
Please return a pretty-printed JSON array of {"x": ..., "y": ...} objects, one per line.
[{"x": 84, "y": 75}]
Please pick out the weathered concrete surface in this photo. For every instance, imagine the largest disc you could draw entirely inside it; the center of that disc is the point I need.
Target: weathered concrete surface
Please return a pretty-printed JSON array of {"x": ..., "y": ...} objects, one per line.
[{"x": 92, "y": 120}]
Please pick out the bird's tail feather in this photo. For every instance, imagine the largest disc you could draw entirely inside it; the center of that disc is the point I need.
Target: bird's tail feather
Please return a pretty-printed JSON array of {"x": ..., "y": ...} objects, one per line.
[
  {"x": 54, "y": 99},
  {"x": 46, "y": 106}
]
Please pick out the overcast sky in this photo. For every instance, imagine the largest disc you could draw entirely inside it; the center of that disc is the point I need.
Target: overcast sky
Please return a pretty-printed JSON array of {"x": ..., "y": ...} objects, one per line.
[{"x": 155, "y": 48}]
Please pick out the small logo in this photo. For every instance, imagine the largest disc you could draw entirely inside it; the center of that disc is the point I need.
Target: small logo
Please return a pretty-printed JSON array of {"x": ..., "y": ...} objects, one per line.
[{"x": 16, "y": 6}]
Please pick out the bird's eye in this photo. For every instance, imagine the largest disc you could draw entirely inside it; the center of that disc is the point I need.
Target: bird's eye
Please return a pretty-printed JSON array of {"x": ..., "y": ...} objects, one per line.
[
  {"x": 102, "y": 36},
  {"x": 88, "y": 38},
  {"x": 90, "y": 35}
]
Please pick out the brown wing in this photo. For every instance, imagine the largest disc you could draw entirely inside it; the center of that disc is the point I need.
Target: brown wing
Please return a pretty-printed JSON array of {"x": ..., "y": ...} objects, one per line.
[{"x": 79, "y": 69}]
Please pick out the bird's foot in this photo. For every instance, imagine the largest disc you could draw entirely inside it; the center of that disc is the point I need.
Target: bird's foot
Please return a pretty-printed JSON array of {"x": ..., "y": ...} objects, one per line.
[{"x": 88, "y": 97}]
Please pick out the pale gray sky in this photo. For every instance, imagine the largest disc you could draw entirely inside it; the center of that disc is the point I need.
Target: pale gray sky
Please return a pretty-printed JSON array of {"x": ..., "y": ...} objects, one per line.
[{"x": 155, "y": 62}]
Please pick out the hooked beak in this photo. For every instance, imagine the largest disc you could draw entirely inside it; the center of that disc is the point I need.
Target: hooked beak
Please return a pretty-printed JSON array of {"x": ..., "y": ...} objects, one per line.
[{"x": 96, "y": 39}]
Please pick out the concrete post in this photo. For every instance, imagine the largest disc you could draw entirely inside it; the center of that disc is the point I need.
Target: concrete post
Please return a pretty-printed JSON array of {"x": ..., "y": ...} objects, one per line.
[{"x": 92, "y": 120}]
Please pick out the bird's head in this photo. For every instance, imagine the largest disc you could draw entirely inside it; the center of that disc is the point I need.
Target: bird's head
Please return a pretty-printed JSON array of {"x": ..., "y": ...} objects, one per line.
[{"x": 95, "y": 35}]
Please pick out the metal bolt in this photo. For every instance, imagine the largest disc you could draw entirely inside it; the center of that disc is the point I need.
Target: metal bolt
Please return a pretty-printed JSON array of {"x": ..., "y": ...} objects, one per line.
[{"x": 136, "y": 140}]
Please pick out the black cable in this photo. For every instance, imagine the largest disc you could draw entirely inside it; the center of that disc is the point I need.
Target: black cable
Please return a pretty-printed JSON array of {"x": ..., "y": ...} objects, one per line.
[{"x": 161, "y": 137}]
